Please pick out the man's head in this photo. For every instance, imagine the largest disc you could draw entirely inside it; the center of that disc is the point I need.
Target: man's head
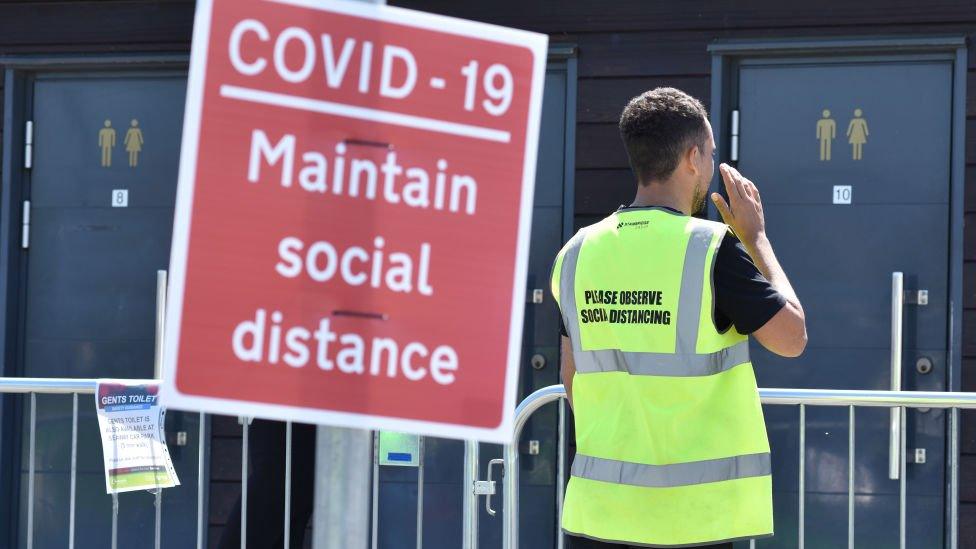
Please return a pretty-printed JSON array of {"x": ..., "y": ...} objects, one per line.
[{"x": 669, "y": 142}]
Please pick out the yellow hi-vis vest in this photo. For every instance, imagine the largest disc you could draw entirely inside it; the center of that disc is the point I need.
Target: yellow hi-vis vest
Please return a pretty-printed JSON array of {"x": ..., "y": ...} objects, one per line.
[{"x": 670, "y": 439}]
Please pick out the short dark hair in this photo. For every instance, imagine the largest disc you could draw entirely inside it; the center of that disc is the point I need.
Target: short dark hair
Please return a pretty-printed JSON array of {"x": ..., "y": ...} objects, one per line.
[{"x": 657, "y": 127}]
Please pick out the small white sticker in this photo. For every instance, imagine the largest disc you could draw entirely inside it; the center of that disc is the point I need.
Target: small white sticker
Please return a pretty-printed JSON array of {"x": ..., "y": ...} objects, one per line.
[
  {"x": 842, "y": 194},
  {"x": 120, "y": 198}
]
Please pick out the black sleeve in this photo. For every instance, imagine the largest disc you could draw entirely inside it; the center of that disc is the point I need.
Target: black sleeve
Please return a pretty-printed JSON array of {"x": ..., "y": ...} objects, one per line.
[
  {"x": 743, "y": 296},
  {"x": 562, "y": 326}
]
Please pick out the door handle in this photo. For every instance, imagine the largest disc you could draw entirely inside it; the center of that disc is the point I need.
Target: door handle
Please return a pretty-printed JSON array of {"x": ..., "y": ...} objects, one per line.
[
  {"x": 894, "y": 434},
  {"x": 160, "y": 322}
]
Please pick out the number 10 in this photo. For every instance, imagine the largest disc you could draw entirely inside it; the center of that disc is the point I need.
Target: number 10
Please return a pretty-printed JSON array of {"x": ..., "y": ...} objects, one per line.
[{"x": 842, "y": 194}]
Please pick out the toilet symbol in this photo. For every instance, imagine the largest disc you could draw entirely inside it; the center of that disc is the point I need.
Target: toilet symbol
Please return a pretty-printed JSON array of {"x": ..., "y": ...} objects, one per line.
[
  {"x": 106, "y": 140},
  {"x": 133, "y": 143},
  {"x": 826, "y": 132},
  {"x": 857, "y": 133}
]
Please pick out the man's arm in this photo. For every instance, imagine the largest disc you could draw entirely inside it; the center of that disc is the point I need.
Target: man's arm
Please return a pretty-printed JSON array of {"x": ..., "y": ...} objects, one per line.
[
  {"x": 786, "y": 333},
  {"x": 567, "y": 367}
]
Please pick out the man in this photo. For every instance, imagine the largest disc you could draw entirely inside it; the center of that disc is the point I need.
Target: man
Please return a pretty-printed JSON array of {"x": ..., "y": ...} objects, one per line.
[{"x": 656, "y": 307}]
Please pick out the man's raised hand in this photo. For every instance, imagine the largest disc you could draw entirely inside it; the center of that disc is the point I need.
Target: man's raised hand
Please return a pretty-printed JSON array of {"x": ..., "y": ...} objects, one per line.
[{"x": 744, "y": 211}]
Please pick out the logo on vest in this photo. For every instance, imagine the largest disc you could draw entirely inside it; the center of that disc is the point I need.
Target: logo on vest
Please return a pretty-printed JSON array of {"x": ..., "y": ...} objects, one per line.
[{"x": 635, "y": 224}]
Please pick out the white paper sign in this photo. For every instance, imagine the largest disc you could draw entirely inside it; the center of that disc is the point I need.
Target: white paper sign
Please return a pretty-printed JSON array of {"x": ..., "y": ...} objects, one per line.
[
  {"x": 120, "y": 198},
  {"x": 842, "y": 194},
  {"x": 133, "y": 445}
]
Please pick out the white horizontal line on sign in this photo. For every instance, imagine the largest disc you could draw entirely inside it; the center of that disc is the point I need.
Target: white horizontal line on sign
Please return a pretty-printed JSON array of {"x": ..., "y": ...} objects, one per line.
[{"x": 363, "y": 113}]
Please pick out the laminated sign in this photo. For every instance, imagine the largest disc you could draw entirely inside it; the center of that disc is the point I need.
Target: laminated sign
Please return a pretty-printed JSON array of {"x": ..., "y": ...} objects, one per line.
[
  {"x": 353, "y": 215},
  {"x": 133, "y": 445}
]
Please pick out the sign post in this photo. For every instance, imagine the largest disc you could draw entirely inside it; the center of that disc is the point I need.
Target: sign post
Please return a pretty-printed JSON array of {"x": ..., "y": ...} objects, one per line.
[{"x": 353, "y": 216}]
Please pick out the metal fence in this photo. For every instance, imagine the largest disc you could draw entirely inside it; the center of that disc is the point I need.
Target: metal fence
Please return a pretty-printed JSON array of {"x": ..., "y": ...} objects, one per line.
[
  {"x": 474, "y": 488},
  {"x": 898, "y": 401}
]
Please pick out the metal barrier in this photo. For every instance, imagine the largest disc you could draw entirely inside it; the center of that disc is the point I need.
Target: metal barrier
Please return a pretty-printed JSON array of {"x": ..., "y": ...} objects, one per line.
[
  {"x": 473, "y": 488},
  {"x": 75, "y": 387},
  {"x": 895, "y": 400}
]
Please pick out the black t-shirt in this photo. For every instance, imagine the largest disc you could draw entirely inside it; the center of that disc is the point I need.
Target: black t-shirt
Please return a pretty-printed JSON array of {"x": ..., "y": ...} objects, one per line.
[{"x": 743, "y": 296}]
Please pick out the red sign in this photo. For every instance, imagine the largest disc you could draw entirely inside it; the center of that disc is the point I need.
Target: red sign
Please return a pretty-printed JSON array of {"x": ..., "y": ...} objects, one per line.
[{"x": 353, "y": 216}]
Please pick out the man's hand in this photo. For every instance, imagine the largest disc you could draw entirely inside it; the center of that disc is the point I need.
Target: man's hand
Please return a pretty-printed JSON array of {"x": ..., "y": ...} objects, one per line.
[
  {"x": 786, "y": 333},
  {"x": 745, "y": 214}
]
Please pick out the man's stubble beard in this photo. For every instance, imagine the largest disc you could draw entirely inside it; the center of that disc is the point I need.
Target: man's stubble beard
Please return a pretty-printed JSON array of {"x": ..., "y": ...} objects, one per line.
[{"x": 698, "y": 198}]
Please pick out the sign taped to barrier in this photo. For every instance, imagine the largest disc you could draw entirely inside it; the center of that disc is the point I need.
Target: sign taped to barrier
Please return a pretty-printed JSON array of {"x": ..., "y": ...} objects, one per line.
[
  {"x": 133, "y": 444},
  {"x": 353, "y": 216}
]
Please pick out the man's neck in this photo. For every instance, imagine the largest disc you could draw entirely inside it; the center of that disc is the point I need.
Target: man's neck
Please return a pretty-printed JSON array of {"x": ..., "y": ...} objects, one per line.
[{"x": 662, "y": 194}]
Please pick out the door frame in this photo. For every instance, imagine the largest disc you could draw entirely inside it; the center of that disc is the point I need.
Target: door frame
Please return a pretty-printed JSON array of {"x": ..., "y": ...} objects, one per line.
[
  {"x": 18, "y": 72},
  {"x": 729, "y": 55}
]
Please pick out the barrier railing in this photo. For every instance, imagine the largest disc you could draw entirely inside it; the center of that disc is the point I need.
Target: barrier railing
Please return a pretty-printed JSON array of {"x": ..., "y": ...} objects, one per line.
[
  {"x": 75, "y": 387},
  {"x": 898, "y": 400}
]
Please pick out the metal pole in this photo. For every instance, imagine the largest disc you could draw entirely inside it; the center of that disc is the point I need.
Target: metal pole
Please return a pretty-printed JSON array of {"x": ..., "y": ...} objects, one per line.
[
  {"x": 200, "y": 478},
  {"x": 469, "y": 500},
  {"x": 343, "y": 471},
  {"x": 803, "y": 447},
  {"x": 375, "y": 514},
  {"x": 896, "y": 417},
  {"x": 245, "y": 425},
  {"x": 901, "y": 481},
  {"x": 510, "y": 526},
  {"x": 954, "y": 479},
  {"x": 30, "y": 473},
  {"x": 74, "y": 470},
  {"x": 66, "y": 386},
  {"x": 159, "y": 516},
  {"x": 850, "y": 479},
  {"x": 560, "y": 473},
  {"x": 287, "y": 484},
  {"x": 420, "y": 494},
  {"x": 115, "y": 520},
  {"x": 777, "y": 396},
  {"x": 158, "y": 374}
]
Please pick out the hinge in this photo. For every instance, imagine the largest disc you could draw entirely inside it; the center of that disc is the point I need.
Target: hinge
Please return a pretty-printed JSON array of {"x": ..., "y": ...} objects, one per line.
[
  {"x": 29, "y": 146},
  {"x": 734, "y": 137},
  {"x": 25, "y": 228}
]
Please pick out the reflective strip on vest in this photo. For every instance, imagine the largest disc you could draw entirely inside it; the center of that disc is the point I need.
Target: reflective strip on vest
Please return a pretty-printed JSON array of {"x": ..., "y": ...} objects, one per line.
[
  {"x": 663, "y": 364},
  {"x": 684, "y": 361},
  {"x": 675, "y": 474}
]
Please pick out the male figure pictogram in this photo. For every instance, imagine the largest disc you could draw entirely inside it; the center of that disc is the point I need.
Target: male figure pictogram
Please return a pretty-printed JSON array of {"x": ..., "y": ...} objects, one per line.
[
  {"x": 826, "y": 132},
  {"x": 106, "y": 140}
]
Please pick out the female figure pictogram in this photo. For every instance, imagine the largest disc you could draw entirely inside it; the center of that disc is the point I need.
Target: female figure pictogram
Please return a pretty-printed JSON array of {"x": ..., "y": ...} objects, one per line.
[
  {"x": 133, "y": 143},
  {"x": 857, "y": 133}
]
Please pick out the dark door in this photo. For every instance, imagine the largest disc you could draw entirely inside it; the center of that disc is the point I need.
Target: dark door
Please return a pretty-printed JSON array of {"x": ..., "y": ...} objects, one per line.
[
  {"x": 853, "y": 160},
  {"x": 101, "y": 190},
  {"x": 444, "y": 459}
]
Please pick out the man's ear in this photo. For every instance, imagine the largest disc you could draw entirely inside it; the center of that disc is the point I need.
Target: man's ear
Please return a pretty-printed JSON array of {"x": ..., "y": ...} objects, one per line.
[{"x": 693, "y": 157}]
